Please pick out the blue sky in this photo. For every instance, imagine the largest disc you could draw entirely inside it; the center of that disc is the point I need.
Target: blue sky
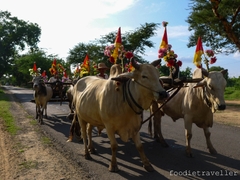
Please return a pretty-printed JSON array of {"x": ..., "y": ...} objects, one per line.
[{"x": 64, "y": 24}]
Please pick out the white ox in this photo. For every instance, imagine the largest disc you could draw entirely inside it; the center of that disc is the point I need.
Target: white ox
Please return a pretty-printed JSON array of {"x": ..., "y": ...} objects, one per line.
[
  {"x": 117, "y": 107},
  {"x": 195, "y": 104},
  {"x": 42, "y": 94},
  {"x": 114, "y": 71}
]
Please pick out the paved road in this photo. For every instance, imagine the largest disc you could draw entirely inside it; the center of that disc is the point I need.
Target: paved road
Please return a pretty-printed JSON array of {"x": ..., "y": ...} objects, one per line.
[{"x": 169, "y": 163}]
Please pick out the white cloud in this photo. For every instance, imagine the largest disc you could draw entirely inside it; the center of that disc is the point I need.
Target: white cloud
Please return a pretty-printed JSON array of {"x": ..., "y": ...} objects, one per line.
[
  {"x": 174, "y": 31},
  {"x": 237, "y": 55},
  {"x": 66, "y": 23},
  {"x": 178, "y": 31},
  {"x": 65, "y": 10},
  {"x": 154, "y": 7}
]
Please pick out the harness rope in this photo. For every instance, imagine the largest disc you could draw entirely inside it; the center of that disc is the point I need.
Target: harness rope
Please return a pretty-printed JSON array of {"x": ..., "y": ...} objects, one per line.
[
  {"x": 206, "y": 97},
  {"x": 125, "y": 96},
  {"x": 174, "y": 93}
]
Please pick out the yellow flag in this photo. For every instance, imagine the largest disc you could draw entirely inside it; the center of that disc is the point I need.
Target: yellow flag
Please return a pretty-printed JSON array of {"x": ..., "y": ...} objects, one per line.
[
  {"x": 164, "y": 43},
  {"x": 117, "y": 44},
  {"x": 197, "y": 60}
]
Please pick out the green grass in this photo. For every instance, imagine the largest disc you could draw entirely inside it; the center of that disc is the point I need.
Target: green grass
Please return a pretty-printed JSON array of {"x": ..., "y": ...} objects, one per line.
[
  {"x": 21, "y": 150},
  {"x": 33, "y": 122},
  {"x": 5, "y": 114},
  {"x": 29, "y": 164},
  {"x": 231, "y": 93},
  {"x": 46, "y": 140}
]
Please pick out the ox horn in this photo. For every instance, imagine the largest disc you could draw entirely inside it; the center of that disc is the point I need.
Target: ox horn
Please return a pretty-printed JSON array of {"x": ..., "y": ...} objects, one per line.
[
  {"x": 156, "y": 62},
  {"x": 134, "y": 64},
  {"x": 204, "y": 72}
]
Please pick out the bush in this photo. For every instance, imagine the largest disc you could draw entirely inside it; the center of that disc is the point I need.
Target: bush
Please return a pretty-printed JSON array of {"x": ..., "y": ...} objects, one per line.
[{"x": 232, "y": 93}]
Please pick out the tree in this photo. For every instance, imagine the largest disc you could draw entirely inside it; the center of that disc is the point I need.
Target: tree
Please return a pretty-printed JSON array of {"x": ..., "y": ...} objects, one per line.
[
  {"x": 78, "y": 53},
  {"x": 135, "y": 41},
  {"x": 25, "y": 62},
  {"x": 15, "y": 35},
  {"x": 218, "y": 68},
  {"x": 234, "y": 82},
  {"x": 217, "y": 22},
  {"x": 186, "y": 73},
  {"x": 164, "y": 71}
]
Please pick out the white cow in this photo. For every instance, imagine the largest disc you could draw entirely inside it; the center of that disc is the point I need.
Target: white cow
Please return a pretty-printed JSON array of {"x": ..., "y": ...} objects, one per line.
[
  {"x": 117, "y": 106},
  {"x": 114, "y": 71},
  {"x": 195, "y": 103}
]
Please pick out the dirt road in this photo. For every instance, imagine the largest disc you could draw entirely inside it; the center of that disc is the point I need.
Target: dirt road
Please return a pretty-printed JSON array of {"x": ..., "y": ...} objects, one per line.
[{"x": 31, "y": 155}]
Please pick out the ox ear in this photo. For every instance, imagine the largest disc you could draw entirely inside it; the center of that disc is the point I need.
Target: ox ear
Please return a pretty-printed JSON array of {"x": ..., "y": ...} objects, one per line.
[
  {"x": 200, "y": 84},
  {"x": 156, "y": 62},
  {"x": 224, "y": 72}
]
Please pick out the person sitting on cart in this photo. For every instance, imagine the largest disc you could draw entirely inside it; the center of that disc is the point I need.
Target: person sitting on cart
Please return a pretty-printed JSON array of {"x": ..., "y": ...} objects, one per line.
[
  {"x": 102, "y": 69},
  {"x": 54, "y": 78}
]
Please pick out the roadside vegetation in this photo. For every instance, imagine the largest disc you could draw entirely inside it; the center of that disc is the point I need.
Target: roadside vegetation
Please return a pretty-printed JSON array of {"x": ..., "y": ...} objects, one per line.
[
  {"x": 231, "y": 93},
  {"x": 5, "y": 114}
]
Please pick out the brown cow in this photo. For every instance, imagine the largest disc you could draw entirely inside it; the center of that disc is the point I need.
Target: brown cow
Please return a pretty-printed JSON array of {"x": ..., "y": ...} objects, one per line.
[
  {"x": 42, "y": 94},
  {"x": 195, "y": 103},
  {"x": 99, "y": 104}
]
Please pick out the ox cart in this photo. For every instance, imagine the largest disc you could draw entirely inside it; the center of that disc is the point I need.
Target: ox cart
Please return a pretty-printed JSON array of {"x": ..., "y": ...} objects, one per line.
[{"x": 59, "y": 89}]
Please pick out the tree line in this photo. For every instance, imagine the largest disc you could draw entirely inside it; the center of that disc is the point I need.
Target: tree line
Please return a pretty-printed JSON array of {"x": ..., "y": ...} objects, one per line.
[{"x": 216, "y": 21}]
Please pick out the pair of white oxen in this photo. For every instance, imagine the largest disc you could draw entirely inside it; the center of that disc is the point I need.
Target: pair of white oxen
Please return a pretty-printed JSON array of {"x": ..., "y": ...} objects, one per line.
[{"x": 116, "y": 104}]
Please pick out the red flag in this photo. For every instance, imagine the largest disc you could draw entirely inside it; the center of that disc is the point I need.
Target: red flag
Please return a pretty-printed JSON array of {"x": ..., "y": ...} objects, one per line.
[
  {"x": 164, "y": 43},
  {"x": 54, "y": 62},
  {"x": 34, "y": 67},
  {"x": 65, "y": 74},
  {"x": 198, "y": 53},
  {"x": 117, "y": 44},
  {"x": 44, "y": 73},
  {"x": 118, "y": 38},
  {"x": 86, "y": 63}
]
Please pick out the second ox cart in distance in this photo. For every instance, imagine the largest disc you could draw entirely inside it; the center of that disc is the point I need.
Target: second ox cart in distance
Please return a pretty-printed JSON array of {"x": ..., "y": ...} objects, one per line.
[{"x": 59, "y": 82}]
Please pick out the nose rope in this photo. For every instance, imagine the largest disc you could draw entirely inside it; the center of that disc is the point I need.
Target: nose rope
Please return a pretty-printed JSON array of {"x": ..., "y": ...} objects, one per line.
[{"x": 208, "y": 100}]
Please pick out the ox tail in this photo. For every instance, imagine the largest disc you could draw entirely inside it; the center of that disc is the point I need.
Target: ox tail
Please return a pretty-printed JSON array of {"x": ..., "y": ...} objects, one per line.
[{"x": 150, "y": 124}]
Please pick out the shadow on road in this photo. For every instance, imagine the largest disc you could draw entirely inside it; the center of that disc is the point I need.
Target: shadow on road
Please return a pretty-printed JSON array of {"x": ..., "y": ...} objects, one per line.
[
  {"x": 172, "y": 159},
  {"x": 164, "y": 160}
]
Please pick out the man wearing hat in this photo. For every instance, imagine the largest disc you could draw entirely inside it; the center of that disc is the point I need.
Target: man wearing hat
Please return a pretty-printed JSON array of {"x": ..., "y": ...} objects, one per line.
[{"x": 102, "y": 69}]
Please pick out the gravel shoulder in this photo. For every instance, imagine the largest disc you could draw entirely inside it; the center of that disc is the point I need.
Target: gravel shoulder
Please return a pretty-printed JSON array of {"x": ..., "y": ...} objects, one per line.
[
  {"x": 31, "y": 155},
  {"x": 230, "y": 116}
]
